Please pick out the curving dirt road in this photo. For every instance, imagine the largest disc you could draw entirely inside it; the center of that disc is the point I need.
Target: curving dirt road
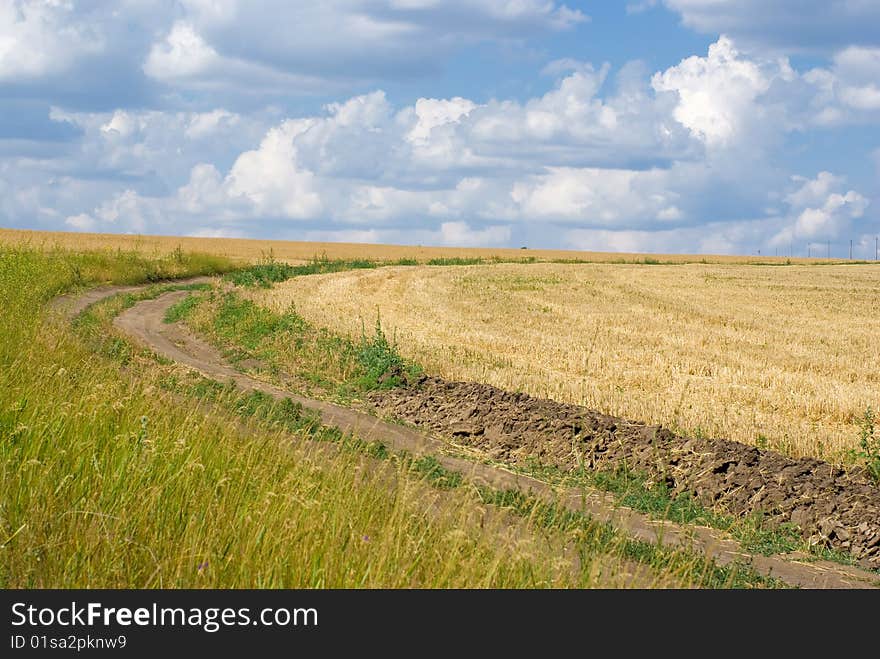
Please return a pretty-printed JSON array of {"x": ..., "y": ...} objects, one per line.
[{"x": 144, "y": 323}]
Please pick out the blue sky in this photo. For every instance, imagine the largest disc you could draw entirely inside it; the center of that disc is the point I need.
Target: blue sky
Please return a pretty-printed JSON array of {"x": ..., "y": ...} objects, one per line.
[{"x": 711, "y": 126}]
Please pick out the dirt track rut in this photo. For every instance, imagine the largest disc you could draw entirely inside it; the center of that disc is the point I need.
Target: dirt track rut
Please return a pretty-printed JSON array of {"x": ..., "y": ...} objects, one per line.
[{"x": 144, "y": 323}]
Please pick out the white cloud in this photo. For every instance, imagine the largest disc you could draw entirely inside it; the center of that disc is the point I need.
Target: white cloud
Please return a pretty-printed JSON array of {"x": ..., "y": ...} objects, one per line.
[
  {"x": 718, "y": 94},
  {"x": 848, "y": 91},
  {"x": 619, "y": 159},
  {"x": 153, "y": 143},
  {"x": 39, "y": 38},
  {"x": 81, "y": 222},
  {"x": 460, "y": 234},
  {"x": 596, "y": 197},
  {"x": 205, "y": 124},
  {"x": 272, "y": 180},
  {"x": 820, "y": 210},
  {"x": 432, "y": 113},
  {"x": 182, "y": 53},
  {"x": 313, "y": 43}
]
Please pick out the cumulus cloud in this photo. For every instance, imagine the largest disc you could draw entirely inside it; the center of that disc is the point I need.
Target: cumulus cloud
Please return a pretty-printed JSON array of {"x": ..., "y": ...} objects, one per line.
[
  {"x": 718, "y": 94},
  {"x": 460, "y": 234},
  {"x": 820, "y": 210},
  {"x": 597, "y": 197},
  {"x": 39, "y": 38},
  {"x": 272, "y": 180},
  {"x": 182, "y": 53},
  {"x": 158, "y": 144},
  {"x": 849, "y": 90}
]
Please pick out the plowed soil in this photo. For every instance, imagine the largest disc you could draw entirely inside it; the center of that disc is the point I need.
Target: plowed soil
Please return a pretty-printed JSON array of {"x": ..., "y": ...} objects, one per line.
[{"x": 837, "y": 508}]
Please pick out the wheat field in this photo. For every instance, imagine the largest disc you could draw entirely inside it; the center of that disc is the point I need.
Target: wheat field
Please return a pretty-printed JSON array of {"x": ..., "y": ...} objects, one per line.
[
  {"x": 298, "y": 251},
  {"x": 782, "y": 357}
]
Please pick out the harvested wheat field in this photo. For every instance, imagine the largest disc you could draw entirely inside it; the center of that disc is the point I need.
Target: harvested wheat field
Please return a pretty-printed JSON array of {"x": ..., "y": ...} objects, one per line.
[
  {"x": 244, "y": 249},
  {"x": 785, "y": 358}
]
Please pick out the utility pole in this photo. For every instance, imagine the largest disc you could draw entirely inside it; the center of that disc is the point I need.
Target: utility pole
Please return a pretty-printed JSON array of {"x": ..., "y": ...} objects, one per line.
[
  {"x": 877, "y": 248},
  {"x": 829, "y": 249},
  {"x": 850, "y": 249}
]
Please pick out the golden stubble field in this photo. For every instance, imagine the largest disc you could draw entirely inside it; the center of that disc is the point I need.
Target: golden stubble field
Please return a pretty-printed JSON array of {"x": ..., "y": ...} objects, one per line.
[
  {"x": 297, "y": 251},
  {"x": 783, "y": 357}
]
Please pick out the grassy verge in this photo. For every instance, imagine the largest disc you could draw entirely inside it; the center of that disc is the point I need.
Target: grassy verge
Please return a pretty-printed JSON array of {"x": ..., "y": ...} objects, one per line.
[
  {"x": 270, "y": 271},
  {"x": 326, "y": 365}
]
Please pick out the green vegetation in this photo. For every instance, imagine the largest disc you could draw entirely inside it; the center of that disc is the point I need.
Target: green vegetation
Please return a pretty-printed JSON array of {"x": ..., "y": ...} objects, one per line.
[
  {"x": 455, "y": 261},
  {"x": 869, "y": 445},
  {"x": 151, "y": 476},
  {"x": 382, "y": 365},
  {"x": 270, "y": 271},
  {"x": 324, "y": 363},
  {"x": 182, "y": 309},
  {"x": 552, "y": 516},
  {"x": 631, "y": 489}
]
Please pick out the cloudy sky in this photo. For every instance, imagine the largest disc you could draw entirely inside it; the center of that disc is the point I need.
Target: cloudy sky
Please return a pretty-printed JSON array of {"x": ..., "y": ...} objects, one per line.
[{"x": 720, "y": 126}]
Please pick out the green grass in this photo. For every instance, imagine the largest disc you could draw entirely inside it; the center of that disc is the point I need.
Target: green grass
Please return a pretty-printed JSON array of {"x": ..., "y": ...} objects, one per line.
[
  {"x": 327, "y": 364},
  {"x": 754, "y": 532},
  {"x": 288, "y": 343},
  {"x": 552, "y": 516},
  {"x": 180, "y": 310},
  {"x": 455, "y": 261},
  {"x": 119, "y": 469},
  {"x": 263, "y": 275}
]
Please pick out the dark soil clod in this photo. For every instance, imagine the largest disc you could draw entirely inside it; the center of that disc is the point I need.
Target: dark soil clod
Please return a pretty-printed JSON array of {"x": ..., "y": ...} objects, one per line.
[{"x": 836, "y": 508}]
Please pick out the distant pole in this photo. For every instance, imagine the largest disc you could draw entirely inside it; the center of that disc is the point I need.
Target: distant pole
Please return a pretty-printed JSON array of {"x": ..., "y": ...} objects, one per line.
[
  {"x": 829, "y": 249},
  {"x": 850, "y": 249},
  {"x": 877, "y": 248},
  {"x": 809, "y": 251}
]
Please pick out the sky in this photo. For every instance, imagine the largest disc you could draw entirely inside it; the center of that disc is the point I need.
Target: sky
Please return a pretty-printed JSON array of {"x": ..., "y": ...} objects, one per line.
[{"x": 668, "y": 126}]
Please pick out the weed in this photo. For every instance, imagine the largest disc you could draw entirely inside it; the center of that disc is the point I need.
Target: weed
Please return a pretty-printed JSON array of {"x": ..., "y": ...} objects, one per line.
[
  {"x": 869, "y": 445},
  {"x": 436, "y": 473},
  {"x": 455, "y": 261},
  {"x": 180, "y": 310},
  {"x": 270, "y": 271},
  {"x": 382, "y": 365}
]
